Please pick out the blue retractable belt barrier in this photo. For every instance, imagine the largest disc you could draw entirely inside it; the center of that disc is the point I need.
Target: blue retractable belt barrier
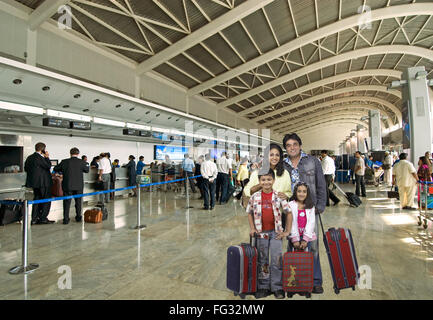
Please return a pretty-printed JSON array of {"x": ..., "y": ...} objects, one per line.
[
  {"x": 11, "y": 202},
  {"x": 102, "y": 192}
]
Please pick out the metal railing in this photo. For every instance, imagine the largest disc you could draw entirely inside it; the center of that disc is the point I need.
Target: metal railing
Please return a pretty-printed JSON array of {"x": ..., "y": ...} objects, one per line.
[{"x": 27, "y": 267}]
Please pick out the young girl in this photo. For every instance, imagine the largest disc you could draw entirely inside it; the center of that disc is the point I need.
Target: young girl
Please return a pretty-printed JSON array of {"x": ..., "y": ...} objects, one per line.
[
  {"x": 304, "y": 218},
  {"x": 265, "y": 220}
]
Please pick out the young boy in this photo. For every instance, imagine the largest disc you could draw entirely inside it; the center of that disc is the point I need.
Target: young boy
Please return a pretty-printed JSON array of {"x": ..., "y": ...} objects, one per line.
[{"x": 265, "y": 220}]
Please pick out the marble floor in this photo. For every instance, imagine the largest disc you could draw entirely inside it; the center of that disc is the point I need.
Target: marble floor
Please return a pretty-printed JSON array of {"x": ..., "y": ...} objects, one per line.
[{"x": 182, "y": 253}]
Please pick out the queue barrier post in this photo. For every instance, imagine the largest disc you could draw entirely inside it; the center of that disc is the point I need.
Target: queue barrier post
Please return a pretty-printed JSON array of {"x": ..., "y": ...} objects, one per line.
[
  {"x": 25, "y": 267},
  {"x": 139, "y": 226},
  {"x": 187, "y": 191}
]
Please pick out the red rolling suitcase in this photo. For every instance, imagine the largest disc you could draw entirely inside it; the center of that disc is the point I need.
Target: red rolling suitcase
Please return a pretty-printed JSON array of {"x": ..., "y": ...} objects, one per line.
[
  {"x": 298, "y": 276},
  {"x": 242, "y": 269},
  {"x": 342, "y": 257}
]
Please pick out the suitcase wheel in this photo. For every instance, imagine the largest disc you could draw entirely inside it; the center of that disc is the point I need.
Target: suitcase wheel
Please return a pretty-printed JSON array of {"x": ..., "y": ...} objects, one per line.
[
  {"x": 289, "y": 295},
  {"x": 235, "y": 294},
  {"x": 337, "y": 291},
  {"x": 242, "y": 296},
  {"x": 308, "y": 295},
  {"x": 353, "y": 288}
]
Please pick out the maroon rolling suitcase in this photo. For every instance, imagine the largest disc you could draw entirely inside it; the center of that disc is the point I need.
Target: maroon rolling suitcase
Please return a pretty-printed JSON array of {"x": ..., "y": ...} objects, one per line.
[
  {"x": 242, "y": 269},
  {"x": 298, "y": 275},
  {"x": 342, "y": 257}
]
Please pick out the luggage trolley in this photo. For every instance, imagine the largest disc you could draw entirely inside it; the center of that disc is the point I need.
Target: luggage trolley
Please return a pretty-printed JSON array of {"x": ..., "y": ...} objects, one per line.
[{"x": 425, "y": 202}]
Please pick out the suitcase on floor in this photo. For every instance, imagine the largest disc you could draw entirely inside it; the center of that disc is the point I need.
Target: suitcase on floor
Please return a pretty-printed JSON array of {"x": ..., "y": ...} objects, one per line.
[
  {"x": 56, "y": 188},
  {"x": 298, "y": 275},
  {"x": 103, "y": 209},
  {"x": 242, "y": 268},
  {"x": 93, "y": 215},
  {"x": 342, "y": 257},
  {"x": 10, "y": 213},
  {"x": 351, "y": 197}
]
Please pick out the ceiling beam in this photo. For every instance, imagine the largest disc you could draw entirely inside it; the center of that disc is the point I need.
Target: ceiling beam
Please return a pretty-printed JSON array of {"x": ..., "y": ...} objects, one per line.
[
  {"x": 326, "y": 81},
  {"x": 413, "y": 9},
  {"x": 351, "y": 99},
  {"x": 328, "y": 124},
  {"x": 45, "y": 11},
  {"x": 220, "y": 23},
  {"x": 306, "y": 122},
  {"x": 346, "y": 103},
  {"x": 343, "y": 119},
  {"x": 388, "y": 49},
  {"x": 346, "y": 109},
  {"x": 327, "y": 95}
]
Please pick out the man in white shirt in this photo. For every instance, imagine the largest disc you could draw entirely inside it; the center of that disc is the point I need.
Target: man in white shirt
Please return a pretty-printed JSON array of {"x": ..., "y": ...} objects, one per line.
[
  {"x": 222, "y": 182},
  {"x": 209, "y": 172},
  {"x": 405, "y": 177},
  {"x": 359, "y": 174},
  {"x": 328, "y": 167},
  {"x": 104, "y": 171}
]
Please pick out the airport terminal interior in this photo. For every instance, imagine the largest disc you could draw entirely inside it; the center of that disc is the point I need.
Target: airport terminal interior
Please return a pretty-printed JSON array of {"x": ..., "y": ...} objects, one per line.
[{"x": 150, "y": 91}]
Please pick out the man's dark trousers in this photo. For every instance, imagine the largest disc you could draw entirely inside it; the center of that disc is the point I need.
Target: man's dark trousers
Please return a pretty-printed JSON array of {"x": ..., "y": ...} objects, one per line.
[
  {"x": 360, "y": 182},
  {"x": 209, "y": 190},
  {"x": 191, "y": 181},
  {"x": 40, "y": 211},
  {"x": 330, "y": 194},
  {"x": 67, "y": 204}
]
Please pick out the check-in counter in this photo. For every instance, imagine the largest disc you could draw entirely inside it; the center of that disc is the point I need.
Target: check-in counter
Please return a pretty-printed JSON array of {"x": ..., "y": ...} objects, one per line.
[{"x": 11, "y": 185}]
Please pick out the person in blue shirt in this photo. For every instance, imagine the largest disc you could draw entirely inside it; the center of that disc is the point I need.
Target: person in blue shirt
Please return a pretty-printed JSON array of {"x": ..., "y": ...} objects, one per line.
[
  {"x": 188, "y": 168},
  {"x": 140, "y": 165}
]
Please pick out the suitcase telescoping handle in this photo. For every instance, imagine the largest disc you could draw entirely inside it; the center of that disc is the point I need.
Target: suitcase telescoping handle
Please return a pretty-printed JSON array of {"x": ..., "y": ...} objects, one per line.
[
  {"x": 321, "y": 224},
  {"x": 253, "y": 240}
]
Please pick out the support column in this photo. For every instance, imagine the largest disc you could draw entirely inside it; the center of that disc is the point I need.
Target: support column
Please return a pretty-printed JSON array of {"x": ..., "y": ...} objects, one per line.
[
  {"x": 137, "y": 92},
  {"x": 416, "y": 113},
  {"x": 360, "y": 136},
  {"x": 31, "y": 50},
  {"x": 187, "y": 104},
  {"x": 375, "y": 130}
]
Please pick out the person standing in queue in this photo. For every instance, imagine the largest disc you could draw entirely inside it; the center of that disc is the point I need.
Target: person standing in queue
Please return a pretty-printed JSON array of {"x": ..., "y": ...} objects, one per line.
[
  {"x": 209, "y": 172},
  {"x": 200, "y": 178},
  {"x": 73, "y": 182},
  {"x": 132, "y": 174},
  {"x": 359, "y": 175},
  {"x": 37, "y": 167},
  {"x": 222, "y": 183},
  {"x": 104, "y": 171},
  {"x": 84, "y": 158},
  {"x": 308, "y": 169},
  {"x": 140, "y": 165},
  {"x": 188, "y": 168},
  {"x": 328, "y": 167}
]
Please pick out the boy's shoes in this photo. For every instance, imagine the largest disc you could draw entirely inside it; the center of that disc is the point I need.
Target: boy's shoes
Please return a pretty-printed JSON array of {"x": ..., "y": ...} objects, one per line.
[
  {"x": 318, "y": 289},
  {"x": 280, "y": 294},
  {"x": 262, "y": 293}
]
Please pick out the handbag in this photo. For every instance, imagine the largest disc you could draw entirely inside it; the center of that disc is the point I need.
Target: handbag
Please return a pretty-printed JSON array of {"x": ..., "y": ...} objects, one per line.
[
  {"x": 99, "y": 185},
  {"x": 393, "y": 194}
]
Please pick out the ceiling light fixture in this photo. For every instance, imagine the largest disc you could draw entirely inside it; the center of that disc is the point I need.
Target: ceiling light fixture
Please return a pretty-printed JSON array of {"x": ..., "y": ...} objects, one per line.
[
  {"x": 20, "y": 108},
  {"x": 67, "y": 115},
  {"x": 46, "y": 88},
  {"x": 118, "y": 106},
  {"x": 17, "y": 81},
  {"x": 108, "y": 122},
  {"x": 65, "y": 106},
  {"x": 96, "y": 100},
  {"x": 76, "y": 96}
]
